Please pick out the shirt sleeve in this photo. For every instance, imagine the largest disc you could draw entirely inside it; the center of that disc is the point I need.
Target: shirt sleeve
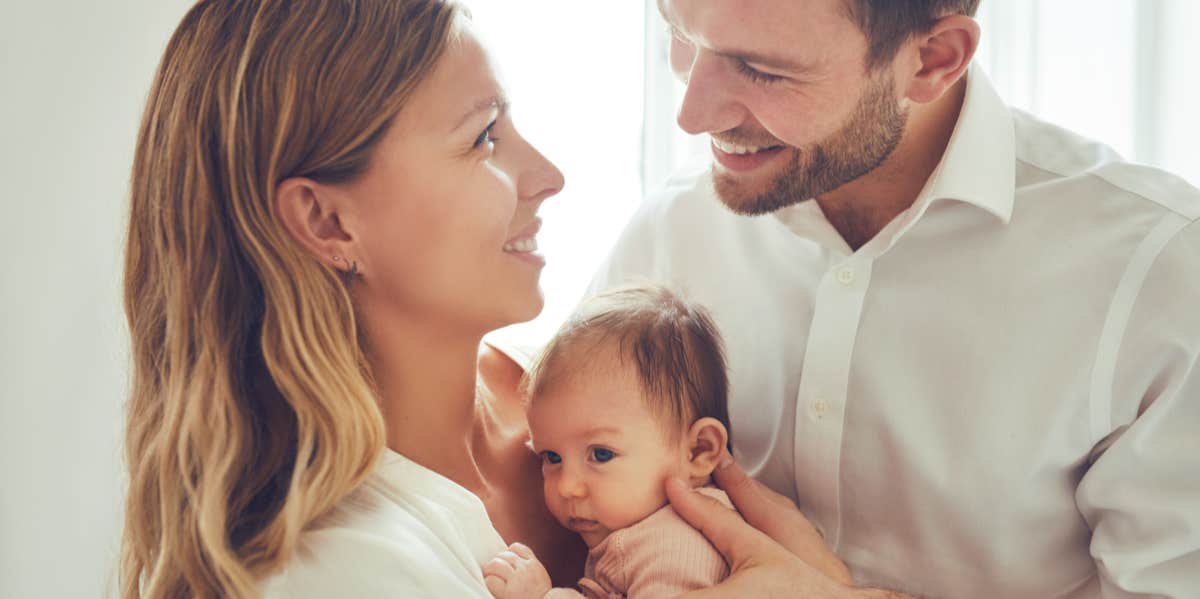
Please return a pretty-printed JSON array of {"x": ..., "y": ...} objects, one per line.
[
  {"x": 351, "y": 564},
  {"x": 1141, "y": 493}
]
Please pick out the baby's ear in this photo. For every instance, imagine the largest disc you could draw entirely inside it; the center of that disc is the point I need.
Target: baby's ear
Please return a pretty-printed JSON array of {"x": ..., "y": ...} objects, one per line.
[{"x": 706, "y": 444}]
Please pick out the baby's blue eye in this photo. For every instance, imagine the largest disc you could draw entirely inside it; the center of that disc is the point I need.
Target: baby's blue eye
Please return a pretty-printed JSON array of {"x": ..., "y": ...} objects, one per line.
[
  {"x": 551, "y": 457},
  {"x": 601, "y": 454}
]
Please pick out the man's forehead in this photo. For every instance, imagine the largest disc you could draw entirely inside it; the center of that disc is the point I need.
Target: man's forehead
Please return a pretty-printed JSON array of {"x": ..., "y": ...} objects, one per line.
[
  {"x": 793, "y": 19},
  {"x": 800, "y": 36}
]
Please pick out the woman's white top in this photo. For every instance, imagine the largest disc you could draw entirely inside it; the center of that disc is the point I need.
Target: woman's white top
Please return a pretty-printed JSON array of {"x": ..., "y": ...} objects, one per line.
[{"x": 406, "y": 532}]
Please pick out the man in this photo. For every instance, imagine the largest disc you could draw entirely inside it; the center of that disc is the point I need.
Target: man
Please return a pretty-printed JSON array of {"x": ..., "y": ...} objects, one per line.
[{"x": 962, "y": 340}]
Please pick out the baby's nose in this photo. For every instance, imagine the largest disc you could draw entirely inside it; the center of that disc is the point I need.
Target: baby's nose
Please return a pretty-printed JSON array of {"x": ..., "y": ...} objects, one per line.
[{"x": 571, "y": 486}]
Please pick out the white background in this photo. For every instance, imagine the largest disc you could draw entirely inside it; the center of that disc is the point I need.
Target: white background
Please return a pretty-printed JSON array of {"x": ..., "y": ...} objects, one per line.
[{"x": 73, "y": 78}]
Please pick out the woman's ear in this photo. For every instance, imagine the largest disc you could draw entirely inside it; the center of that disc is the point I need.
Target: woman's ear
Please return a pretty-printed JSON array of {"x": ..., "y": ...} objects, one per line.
[
  {"x": 944, "y": 52},
  {"x": 309, "y": 215},
  {"x": 706, "y": 441}
]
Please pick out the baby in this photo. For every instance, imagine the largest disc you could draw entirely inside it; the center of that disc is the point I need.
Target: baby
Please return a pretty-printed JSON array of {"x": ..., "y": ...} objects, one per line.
[{"x": 631, "y": 391}]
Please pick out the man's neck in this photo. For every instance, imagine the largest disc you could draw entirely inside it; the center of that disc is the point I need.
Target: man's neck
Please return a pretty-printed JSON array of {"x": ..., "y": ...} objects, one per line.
[{"x": 861, "y": 209}]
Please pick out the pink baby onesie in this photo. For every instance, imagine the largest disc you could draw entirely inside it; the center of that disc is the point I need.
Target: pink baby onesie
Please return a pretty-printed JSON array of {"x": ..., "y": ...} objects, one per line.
[{"x": 658, "y": 558}]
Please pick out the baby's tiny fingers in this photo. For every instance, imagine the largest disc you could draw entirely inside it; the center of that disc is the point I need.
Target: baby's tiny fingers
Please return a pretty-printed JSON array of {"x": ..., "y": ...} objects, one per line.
[
  {"x": 521, "y": 550},
  {"x": 509, "y": 557},
  {"x": 499, "y": 568},
  {"x": 495, "y": 584}
]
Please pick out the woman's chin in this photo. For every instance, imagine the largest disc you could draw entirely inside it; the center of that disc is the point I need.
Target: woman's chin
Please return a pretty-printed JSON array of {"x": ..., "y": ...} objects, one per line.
[
  {"x": 532, "y": 306},
  {"x": 525, "y": 310}
]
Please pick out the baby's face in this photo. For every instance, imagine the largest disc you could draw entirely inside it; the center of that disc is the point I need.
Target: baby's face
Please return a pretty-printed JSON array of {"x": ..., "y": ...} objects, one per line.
[{"x": 605, "y": 458}]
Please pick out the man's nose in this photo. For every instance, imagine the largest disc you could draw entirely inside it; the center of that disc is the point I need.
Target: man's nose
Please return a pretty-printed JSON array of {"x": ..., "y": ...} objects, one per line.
[{"x": 708, "y": 105}]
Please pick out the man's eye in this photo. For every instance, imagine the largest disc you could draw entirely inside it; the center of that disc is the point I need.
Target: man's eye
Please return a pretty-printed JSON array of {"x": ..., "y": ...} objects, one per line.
[
  {"x": 601, "y": 454},
  {"x": 550, "y": 457},
  {"x": 756, "y": 75}
]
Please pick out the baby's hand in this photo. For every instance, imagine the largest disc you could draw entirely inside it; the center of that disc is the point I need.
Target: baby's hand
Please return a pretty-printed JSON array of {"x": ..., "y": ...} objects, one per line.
[{"x": 516, "y": 574}]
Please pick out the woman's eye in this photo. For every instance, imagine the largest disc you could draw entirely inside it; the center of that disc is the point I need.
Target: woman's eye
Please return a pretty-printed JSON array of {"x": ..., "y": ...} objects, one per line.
[
  {"x": 486, "y": 136},
  {"x": 550, "y": 457},
  {"x": 601, "y": 454}
]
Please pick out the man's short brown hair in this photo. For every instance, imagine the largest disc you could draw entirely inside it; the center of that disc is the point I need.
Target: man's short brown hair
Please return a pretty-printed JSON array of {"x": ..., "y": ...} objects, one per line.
[
  {"x": 889, "y": 23},
  {"x": 673, "y": 345}
]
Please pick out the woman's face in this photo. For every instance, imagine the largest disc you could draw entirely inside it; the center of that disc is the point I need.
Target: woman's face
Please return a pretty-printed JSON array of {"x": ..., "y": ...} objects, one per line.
[{"x": 444, "y": 220}]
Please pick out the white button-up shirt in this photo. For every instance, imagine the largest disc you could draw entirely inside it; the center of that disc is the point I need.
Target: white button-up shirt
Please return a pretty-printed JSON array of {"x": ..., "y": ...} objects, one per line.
[{"x": 999, "y": 395}]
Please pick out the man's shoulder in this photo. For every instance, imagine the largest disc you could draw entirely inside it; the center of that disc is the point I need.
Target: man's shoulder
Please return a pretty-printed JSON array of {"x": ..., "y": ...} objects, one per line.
[
  {"x": 688, "y": 189},
  {"x": 1066, "y": 164}
]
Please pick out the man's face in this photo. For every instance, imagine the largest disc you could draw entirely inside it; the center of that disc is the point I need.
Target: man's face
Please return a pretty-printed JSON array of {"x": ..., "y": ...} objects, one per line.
[{"x": 782, "y": 89}]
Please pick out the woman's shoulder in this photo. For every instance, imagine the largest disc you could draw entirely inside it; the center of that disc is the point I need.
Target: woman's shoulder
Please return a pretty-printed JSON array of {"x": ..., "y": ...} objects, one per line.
[{"x": 404, "y": 532}]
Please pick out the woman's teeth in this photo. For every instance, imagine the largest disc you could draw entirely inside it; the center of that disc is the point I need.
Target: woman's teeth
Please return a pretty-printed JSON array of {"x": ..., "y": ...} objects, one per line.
[
  {"x": 729, "y": 148},
  {"x": 522, "y": 246}
]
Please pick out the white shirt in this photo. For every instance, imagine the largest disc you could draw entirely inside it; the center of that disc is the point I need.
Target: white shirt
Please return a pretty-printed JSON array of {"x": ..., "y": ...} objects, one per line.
[
  {"x": 406, "y": 532},
  {"x": 999, "y": 395}
]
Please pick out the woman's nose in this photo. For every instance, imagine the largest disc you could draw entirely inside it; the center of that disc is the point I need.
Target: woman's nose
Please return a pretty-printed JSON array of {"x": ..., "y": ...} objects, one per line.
[{"x": 540, "y": 180}]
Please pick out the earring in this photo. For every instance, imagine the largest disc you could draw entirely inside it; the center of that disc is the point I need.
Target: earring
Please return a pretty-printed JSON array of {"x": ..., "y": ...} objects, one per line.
[
  {"x": 353, "y": 269},
  {"x": 337, "y": 258}
]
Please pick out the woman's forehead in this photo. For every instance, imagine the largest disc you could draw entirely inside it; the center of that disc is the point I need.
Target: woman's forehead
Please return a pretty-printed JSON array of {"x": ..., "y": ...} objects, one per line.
[{"x": 464, "y": 81}]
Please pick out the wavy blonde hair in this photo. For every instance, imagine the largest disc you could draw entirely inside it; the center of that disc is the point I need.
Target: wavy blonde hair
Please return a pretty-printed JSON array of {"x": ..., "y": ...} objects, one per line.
[{"x": 252, "y": 408}]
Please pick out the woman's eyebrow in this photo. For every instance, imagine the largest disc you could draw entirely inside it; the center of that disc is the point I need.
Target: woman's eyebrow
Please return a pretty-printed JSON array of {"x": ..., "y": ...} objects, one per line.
[{"x": 498, "y": 102}]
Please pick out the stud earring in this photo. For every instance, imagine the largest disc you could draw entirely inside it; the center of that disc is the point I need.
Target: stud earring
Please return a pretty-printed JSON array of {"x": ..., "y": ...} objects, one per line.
[{"x": 337, "y": 258}]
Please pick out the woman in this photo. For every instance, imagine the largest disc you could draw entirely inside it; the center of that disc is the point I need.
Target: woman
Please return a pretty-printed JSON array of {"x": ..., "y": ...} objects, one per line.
[{"x": 330, "y": 207}]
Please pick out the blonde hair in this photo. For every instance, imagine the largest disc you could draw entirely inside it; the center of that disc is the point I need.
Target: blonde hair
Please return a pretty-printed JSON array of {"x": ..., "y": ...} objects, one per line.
[{"x": 252, "y": 409}]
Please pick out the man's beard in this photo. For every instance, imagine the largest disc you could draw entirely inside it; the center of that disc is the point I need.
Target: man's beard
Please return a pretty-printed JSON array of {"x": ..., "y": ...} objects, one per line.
[{"x": 865, "y": 142}]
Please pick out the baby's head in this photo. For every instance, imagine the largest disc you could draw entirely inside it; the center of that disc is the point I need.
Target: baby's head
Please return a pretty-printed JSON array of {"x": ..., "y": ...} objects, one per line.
[{"x": 632, "y": 390}]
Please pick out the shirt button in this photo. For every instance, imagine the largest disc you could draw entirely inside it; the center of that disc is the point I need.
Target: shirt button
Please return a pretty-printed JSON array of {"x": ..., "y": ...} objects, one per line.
[
  {"x": 819, "y": 408},
  {"x": 845, "y": 276}
]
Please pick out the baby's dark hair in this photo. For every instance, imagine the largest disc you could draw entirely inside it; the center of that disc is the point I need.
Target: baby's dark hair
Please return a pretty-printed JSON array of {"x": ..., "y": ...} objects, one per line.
[{"x": 673, "y": 343}]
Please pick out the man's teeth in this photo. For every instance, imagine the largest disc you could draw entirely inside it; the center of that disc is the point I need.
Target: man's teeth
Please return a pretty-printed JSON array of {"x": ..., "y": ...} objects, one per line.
[
  {"x": 523, "y": 246},
  {"x": 729, "y": 148}
]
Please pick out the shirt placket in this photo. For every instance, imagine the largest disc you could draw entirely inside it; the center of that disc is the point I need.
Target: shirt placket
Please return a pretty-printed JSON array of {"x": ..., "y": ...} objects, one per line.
[{"x": 821, "y": 400}]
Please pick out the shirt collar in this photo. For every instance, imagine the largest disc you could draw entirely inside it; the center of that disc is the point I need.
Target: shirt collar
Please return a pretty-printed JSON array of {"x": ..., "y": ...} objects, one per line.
[
  {"x": 978, "y": 168},
  {"x": 979, "y": 165}
]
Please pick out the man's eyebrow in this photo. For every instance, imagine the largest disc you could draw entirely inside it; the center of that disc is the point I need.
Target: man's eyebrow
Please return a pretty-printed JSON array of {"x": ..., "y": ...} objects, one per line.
[{"x": 498, "y": 102}]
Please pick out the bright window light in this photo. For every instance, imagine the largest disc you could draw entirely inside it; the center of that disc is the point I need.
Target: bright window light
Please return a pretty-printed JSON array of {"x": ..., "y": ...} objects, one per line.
[{"x": 575, "y": 73}]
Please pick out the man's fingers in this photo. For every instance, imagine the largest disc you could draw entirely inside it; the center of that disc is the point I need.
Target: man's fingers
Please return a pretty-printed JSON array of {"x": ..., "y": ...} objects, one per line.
[
  {"x": 758, "y": 504},
  {"x": 778, "y": 518},
  {"x": 733, "y": 537},
  {"x": 736, "y": 585}
]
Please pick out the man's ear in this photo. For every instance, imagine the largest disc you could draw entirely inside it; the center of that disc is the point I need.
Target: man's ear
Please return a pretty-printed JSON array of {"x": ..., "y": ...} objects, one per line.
[
  {"x": 706, "y": 440},
  {"x": 309, "y": 214},
  {"x": 943, "y": 55}
]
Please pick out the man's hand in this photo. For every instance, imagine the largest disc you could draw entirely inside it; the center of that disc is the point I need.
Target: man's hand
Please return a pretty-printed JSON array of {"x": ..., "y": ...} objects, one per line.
[
  {"x": 774, "y": 552},
  {"x": 516, "y": 574}
]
